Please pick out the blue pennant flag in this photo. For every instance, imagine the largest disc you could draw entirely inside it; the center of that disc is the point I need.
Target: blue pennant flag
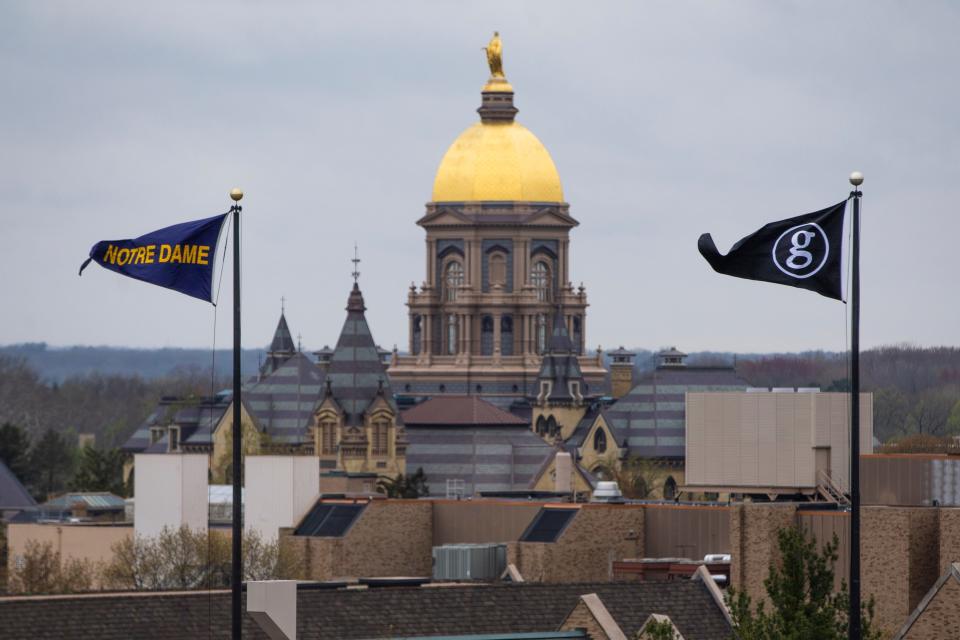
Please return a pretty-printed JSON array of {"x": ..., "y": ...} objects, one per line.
[{"x": 180, "y": 257}]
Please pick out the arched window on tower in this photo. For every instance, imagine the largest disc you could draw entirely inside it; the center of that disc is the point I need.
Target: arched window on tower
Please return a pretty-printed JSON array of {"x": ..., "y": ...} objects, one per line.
[
  {"x": 600, "y": 441},
  {"x": 453, "y": 279},
  {"x": 417, "y": 334},
  {"x": 452, "y": 334},
  {"x": 486, "y": 336},
  {"x": 552, "y": 427},
  {"x": 541, "y": 333},
  {"x": 540, "y": 279},
  {"x": 498, "y": 269}
]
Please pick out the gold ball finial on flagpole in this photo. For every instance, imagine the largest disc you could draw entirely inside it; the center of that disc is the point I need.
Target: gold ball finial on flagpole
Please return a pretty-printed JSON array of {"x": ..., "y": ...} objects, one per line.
[
  {"x": 856, "y": 178},
  {"x": 236, "y": 194}
]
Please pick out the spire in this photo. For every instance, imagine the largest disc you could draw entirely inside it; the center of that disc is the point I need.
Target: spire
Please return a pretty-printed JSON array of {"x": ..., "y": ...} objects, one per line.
[
  {"x": 560, "y": 378},
  {"x": 356, "y": 375},
  {"x": 281, "y": 347},
  {"x": 560, "y": 341}
]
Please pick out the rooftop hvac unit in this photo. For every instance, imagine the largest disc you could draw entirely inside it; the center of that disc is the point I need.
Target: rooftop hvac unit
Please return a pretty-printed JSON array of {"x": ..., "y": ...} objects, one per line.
[
  {"x": 607, "y": 491},
  {"x": 456, "y": 562}
]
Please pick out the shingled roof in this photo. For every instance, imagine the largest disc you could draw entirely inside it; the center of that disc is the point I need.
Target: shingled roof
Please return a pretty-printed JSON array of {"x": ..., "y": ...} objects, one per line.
[
  {"x": 282, "y": 403},
  {"x": 457, "y": 411},
  {"x": 368, "y": 614},
  {"x": 356, "y": 375}
]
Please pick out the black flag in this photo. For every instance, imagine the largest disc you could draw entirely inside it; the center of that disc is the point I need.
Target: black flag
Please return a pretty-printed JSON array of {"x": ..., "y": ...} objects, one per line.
[{"x": 804, "y": 251}]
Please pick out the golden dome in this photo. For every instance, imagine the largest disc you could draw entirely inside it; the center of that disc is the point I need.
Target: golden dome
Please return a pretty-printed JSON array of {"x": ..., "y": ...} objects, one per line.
[{"x": 497, "y": 161}]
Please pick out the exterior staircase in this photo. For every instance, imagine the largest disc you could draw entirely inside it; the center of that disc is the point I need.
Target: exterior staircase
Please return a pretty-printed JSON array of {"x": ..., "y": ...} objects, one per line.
[{"x": 830, "y": 490}]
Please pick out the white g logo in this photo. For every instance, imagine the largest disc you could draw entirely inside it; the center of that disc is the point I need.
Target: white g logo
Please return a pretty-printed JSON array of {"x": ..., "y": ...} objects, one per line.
[
  {"x": 801, "y": 251},
  {"x": 799, "y": 241}
]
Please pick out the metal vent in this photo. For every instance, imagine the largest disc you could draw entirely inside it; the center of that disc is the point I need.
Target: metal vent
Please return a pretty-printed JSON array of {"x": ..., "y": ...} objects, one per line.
[{"x": 457, "y": 562}]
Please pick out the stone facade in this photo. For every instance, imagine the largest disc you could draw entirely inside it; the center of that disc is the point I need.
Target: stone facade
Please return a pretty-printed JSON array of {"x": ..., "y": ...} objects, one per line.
[
  {"x": 949, "y": 537},
  {"x": 898, "y": 559},
  {"x": 940, "y": 619},
  {"x": 753, "y": 544},
  {"x": 596, "y": 536},
  {"x": 390, "y": 538}
]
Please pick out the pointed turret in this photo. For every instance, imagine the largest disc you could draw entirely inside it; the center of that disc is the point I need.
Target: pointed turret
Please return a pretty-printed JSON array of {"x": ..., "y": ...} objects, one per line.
[
  {"x": 560, "y": 379},
  {"x": 282, "y": 348},
  {"x": 357, "y": 375}
]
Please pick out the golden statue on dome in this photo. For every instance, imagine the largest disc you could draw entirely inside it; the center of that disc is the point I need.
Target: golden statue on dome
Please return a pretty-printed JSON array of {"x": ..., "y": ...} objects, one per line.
[{"x": 495, "y": 56}]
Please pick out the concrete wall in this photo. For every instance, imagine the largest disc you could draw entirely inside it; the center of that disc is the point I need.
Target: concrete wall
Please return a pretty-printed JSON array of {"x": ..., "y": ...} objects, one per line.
[
  {"x": 390, "y": 538},
  {"x": 770, "y": 440},
  {"x": 279, "y": 491},
  {"x": 171, "y": 491},
  {"x": 597, "y": 535}
]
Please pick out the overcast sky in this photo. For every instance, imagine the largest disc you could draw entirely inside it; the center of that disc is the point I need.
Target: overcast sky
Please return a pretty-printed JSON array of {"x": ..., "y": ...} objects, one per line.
[{"x": 665, "y": 120}]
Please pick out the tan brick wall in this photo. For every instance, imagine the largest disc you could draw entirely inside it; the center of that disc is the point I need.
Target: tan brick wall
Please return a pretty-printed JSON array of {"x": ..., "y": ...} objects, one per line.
[
  {"x": 753, "y": 544},
  {"x": 582, "y": 618},
  {"x": 390, "y": 538},
  {"x": 597, "y": 535},
  {"x": 949, "y": 538},
  {"x": 941, "y": 618},
  {"x": 87, "y": 542},
  {"x": 898, "y": 557}
]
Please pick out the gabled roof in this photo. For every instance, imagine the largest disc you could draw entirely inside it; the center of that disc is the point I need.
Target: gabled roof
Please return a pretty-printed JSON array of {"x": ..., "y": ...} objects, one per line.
[
  {"x": 357, "y": 375},
  {"x": 91, "y": 499},
  {"x": 456, "y": 410},
  {"x": 944, "y": 598},
  {"x": 13, "y": 495},
  {"x": 196, "y": 418}
]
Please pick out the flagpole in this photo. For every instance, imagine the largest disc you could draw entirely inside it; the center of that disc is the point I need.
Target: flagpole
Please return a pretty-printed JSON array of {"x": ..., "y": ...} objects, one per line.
[
  {"x": 856, "y": 179},
  {"x": 236, "y": 566}
]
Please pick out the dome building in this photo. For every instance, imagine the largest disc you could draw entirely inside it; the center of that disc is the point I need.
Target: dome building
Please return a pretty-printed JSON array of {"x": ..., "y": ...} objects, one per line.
[{"x": 497, "y": 264}]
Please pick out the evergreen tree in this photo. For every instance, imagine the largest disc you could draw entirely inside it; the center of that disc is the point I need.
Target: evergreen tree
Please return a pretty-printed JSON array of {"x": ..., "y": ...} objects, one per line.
[
  {"x": 804, "y": 605},
  {"x": 15, "y": 449},
  {"x": 51, "y": 464},
  {"x": 403, "y": 486},
  {"x": 100, "y": 471}
]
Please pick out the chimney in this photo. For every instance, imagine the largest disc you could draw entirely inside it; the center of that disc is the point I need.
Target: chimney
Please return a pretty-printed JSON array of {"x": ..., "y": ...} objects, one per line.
[
  {"x": 563, "y": 472},
  {"x": 621, "y": 372}
]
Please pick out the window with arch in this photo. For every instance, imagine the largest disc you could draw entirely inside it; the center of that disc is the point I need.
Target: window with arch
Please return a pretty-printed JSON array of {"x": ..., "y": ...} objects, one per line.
[
  {"x": 552, "y": 427},
  {"x": 541, "y": 333},
  {"x": 328, "y": 437},
  {"x": 486, "y": 336},
  {"x": 540, "y": 279},
  {"x": 498, "y": 268},
  {"x": 453, "y": 279},
  {"x": 670, "y": 489},
  {"x": 541, "y": 425},
  {"x": 417, "y": 334},
  {"x": 600, "y": 441},
  {"x": 452, "y": 334},
  {"x": 380, "y": 440}
]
